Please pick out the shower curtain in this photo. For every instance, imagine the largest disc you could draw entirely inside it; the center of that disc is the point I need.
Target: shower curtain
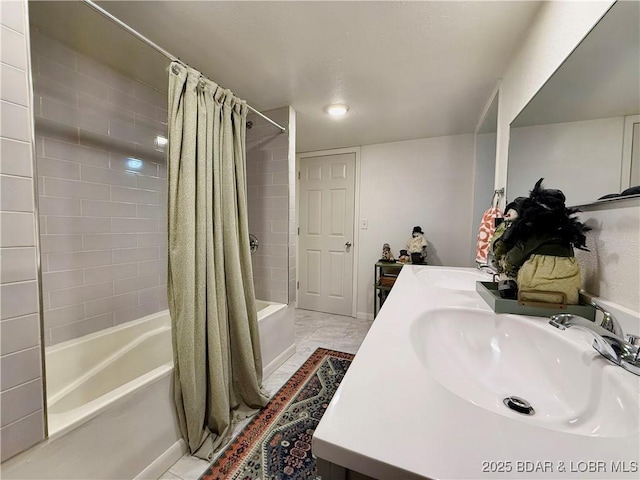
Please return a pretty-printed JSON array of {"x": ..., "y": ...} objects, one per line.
[{"x": 218, "y": 366}]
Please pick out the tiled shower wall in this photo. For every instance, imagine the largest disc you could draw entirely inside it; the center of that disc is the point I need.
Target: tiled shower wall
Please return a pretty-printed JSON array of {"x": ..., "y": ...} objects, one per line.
[
  {"x": 21, "y": 397},
  {"x": 102, "y": 193},
  {"x": 270, "y": 181}
]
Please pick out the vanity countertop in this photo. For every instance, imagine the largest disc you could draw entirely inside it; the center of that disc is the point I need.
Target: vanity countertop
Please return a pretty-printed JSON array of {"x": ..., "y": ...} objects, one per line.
[{"x": 392, "y": 419}]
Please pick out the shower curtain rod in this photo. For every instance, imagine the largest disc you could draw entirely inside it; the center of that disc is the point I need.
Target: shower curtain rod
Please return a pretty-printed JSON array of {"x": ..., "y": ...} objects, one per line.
[{"x": 161, "y": 50}]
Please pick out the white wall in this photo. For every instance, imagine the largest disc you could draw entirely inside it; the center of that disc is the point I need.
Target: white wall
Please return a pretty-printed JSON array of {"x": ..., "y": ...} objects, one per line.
[
  {"x": 583, "y": 159},
  {"x": 483, "y": 183},
  {"x": 426, "y": 182},
  {"x": 557, "y": 30}
]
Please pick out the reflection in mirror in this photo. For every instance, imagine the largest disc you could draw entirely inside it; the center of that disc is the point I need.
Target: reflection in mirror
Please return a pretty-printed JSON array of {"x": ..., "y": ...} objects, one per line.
[
  {"x": 578, "y": 131},
  {"x": 485, "y": 166}
]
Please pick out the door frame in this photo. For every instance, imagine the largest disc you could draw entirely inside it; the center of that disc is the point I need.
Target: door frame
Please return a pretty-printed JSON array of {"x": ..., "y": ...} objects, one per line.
[
  {"x": 300, "y": 157},
  {"x": 627, "y": 150}
]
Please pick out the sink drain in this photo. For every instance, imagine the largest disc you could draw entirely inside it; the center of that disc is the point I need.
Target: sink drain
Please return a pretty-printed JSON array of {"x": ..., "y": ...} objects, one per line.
[{"x": 519, "y": 405}]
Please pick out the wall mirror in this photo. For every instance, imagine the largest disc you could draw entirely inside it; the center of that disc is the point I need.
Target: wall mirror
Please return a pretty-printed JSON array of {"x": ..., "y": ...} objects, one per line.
[
  {"x": 484, "y": 176},
  {"x": 578, "y": 131}
]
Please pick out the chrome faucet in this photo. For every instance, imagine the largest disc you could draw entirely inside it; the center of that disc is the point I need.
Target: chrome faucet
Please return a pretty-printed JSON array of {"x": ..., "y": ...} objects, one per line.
[
  {"x": 608, "y": 322},
  {"x": 608, "y": 343},
  {"x": 488, "y": 268}
]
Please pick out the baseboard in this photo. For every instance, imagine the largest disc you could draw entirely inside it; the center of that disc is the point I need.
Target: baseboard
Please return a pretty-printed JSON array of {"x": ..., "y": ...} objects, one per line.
[
  {"x": 279, "y": 360},
  {"x": 164, "y": 462},
  {"x": 365, "y": 316}
]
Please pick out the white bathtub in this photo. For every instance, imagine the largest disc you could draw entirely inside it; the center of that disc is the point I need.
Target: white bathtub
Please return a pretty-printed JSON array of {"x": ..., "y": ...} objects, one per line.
[
  {"x": 86, "y": 375},
  {"x": 110, "y": 399},
  {"x": 276, "y": 322}
]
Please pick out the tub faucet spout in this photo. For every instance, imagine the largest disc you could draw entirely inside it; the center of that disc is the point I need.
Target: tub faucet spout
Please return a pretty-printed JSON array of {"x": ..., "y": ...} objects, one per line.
[{"x": 608, "y": 344}]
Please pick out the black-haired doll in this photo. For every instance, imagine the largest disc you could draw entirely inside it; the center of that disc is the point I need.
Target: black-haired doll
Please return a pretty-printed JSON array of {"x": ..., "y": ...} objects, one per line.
[{"x": 536, "y": 248}]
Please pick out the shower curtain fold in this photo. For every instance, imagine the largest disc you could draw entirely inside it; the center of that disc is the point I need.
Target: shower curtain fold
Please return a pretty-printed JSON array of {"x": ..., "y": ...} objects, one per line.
[{"x": 218, "y": 366}]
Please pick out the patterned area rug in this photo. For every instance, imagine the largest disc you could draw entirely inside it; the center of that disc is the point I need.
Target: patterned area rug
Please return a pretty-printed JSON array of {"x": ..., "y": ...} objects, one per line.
[{"x": 277, "y": 442}]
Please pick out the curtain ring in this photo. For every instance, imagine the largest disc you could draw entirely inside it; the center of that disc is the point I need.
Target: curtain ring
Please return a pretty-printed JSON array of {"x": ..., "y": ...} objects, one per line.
[{"x": 175, "y": 69}]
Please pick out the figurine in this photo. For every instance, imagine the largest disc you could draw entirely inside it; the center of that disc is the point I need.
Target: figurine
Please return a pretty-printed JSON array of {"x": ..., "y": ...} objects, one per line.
[
  {"x": 404, "y": 256},
  {"x": 387, "y": 256},
  {"x": 536, "y": 248},
  {"x": 498, "y": 249},
  {"x": 417, "y": 246}
]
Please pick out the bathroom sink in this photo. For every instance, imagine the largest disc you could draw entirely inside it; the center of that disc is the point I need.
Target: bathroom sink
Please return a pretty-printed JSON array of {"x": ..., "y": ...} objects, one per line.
[
  {"x": 485, "y": 358},
  {"x": 452, "y": 279}
]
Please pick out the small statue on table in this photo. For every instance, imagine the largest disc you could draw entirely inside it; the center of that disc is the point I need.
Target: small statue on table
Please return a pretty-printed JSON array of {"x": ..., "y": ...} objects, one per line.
[
  {"x": 387, "y": 256},
  {"x": 417, "y": 246}
]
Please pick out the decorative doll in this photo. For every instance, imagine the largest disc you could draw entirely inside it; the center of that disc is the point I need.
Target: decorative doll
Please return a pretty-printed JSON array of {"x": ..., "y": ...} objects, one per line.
[
  {"x": 536, "y": 248},
  {"x": 404, "y": 256},
  {"x": 497, "y": 248},
  {"x": 387, "y": 256},
  {"x": 417, "y": 246}
]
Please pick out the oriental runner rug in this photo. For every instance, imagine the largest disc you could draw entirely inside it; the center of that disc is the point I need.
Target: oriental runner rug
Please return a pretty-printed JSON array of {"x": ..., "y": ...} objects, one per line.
[{"x": 276, "y": 444}]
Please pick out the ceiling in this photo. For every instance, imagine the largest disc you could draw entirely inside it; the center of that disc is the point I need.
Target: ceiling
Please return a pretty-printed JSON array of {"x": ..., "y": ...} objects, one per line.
[{"x": 406, "y": 69}]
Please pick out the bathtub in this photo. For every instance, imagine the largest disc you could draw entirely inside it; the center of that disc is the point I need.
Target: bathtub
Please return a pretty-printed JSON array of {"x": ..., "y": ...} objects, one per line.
[
  {"x": 111, "y": 392},
  {"x": 276, "y": 323},
  {"x": 110, "y": 404},
  {"x": 87, "y": 374}
]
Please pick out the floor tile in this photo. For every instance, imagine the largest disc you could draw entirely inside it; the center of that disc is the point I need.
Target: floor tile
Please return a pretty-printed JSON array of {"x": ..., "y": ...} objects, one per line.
[{"x": 189, "y": 468}]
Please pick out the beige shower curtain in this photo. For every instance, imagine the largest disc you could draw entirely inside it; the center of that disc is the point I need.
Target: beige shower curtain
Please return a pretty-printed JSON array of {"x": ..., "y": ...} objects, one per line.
[{"x": 216, "y": 348}]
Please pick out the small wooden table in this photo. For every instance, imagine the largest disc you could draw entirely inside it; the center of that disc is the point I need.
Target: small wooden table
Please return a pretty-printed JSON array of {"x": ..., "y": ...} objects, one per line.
[{"x": 385, "y": 274}]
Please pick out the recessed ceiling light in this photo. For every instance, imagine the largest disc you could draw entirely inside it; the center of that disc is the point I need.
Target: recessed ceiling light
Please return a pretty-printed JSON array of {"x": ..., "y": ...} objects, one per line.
[{"x": 337, "y": 109}]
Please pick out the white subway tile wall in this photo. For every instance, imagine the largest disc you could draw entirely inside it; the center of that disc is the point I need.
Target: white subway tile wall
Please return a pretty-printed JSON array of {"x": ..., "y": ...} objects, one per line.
[
  {"x": 269, "y": 185},
  {"x": 102, "y": 195},
  {"x": 21, "y": 392}
]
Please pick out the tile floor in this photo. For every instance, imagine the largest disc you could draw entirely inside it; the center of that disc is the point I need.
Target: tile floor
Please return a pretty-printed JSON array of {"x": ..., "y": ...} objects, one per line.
[{"x": 313, "y": 330}]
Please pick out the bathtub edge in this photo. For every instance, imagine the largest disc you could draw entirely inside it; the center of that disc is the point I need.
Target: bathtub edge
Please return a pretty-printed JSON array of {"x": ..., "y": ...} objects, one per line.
[{"x": 267, "y": 370}]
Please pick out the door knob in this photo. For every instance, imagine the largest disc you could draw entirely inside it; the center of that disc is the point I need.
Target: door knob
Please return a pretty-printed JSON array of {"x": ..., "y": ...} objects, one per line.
[{"x": 348, "y": 245}]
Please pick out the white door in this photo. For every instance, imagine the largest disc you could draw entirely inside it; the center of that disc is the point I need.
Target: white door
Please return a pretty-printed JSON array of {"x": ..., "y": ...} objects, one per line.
[{"x": 327, "y": 199}]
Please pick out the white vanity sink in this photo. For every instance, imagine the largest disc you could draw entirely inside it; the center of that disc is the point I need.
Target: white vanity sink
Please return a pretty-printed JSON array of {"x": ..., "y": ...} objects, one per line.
[
  {"x": 451, "y": 278},
  {"x": 424, "y": 396},
  {"x": 485, "y": 358}
]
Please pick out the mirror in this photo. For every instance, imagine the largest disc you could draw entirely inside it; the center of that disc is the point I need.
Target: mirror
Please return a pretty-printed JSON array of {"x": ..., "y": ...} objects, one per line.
[
  {"x": 578, "y": 131},
  {"x": 485, "y": 167}
]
